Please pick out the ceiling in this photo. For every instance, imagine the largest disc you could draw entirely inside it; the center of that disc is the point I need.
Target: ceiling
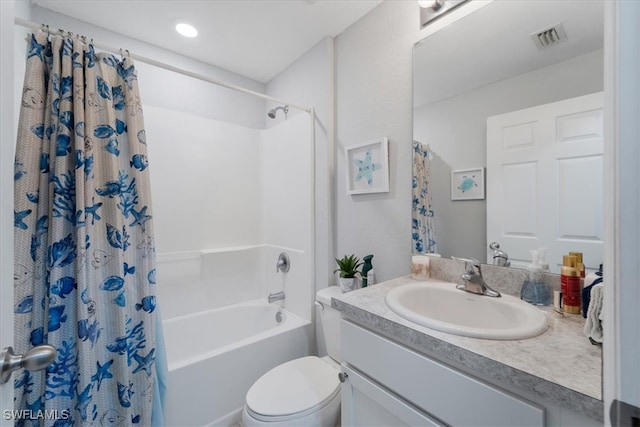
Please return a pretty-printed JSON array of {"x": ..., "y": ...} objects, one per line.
[
  {"x": 494, "y": 43},
  {"x": 253, "y": 38}
]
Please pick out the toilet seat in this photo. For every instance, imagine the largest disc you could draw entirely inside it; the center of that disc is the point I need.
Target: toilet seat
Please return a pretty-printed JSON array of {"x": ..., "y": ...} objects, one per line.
[{"x": 293, "y": 390}]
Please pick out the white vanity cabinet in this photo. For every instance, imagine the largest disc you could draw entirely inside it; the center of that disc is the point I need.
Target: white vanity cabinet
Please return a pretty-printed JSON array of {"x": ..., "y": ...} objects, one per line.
[{"x": 389, "y": 384}]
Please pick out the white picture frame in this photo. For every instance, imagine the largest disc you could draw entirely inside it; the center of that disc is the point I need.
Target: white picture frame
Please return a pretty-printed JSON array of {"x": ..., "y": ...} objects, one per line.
[
  {"x": 467, "y": 184},
  {"x": 368, "y": 167}
]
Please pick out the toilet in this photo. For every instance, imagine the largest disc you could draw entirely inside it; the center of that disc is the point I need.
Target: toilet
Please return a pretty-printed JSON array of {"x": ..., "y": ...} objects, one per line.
[{"x": 304, "y": 391}]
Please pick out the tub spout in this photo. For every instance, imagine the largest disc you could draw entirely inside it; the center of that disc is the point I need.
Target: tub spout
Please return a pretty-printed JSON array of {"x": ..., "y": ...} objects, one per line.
[{"x": 275, "y": 296}]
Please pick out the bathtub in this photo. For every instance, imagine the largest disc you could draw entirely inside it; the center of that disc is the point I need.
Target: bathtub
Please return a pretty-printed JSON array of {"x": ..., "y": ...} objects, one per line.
[{"x": 214, "y": 357}]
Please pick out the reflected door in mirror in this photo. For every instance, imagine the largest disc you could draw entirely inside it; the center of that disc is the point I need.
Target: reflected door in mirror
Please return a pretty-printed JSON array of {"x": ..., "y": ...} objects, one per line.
[{"x": 544, "y": 180}]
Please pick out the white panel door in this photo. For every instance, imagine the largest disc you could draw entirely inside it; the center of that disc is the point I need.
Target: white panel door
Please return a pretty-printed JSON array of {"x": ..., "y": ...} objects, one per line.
[{"x": 545, "y": 181}]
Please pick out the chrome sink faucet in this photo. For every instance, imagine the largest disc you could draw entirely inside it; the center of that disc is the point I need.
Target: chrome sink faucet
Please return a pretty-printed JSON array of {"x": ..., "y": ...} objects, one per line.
[
  {"x": 474, "y": 282},
  {"x": 500, "y": 257}
]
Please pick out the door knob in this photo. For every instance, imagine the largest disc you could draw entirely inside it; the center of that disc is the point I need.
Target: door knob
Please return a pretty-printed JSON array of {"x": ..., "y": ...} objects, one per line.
[{"x": 37, "y": 358}]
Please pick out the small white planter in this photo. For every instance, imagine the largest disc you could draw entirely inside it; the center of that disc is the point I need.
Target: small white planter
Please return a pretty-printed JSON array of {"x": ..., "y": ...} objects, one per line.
[{"x": 347, "y": 284}]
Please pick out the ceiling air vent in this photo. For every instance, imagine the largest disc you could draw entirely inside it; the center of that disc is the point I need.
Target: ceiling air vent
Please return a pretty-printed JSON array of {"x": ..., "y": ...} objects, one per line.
[{"x": 549, "y": 36}]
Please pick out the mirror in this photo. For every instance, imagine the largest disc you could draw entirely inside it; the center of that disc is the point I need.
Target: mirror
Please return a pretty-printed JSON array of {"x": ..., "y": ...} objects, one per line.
[{"x": 487, "y": 64}]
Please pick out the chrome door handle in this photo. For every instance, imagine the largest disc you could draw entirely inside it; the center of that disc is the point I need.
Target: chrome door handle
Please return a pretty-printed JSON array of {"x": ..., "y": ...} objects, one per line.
[{"x": 37, "y": 358}]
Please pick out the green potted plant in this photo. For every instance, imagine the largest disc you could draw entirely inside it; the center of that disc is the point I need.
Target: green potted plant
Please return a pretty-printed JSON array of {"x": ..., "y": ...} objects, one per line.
[{"x": 348, "y": 268}]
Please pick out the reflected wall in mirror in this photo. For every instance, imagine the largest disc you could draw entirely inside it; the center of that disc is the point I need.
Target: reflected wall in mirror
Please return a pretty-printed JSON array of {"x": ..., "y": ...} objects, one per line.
[{"x": 487, "y": 64}]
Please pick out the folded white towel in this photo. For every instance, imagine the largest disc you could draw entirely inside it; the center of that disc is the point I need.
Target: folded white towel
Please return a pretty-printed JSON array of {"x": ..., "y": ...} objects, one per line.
[{"x": 593, "y": 326}]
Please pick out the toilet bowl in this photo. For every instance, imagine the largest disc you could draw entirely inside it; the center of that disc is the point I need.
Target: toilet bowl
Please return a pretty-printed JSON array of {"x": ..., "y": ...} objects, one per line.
[{"x": 304, "y": 391}]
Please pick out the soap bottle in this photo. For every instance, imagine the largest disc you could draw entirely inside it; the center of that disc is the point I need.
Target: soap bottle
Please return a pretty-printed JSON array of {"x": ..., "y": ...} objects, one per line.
[
  {"x": 534, "y": 290},
  {"x": 579, "y": 263},
  {"x": 542, "y": 260},
  {"x": 570, "y": 281},
  {"x": 366, "y": 268}
]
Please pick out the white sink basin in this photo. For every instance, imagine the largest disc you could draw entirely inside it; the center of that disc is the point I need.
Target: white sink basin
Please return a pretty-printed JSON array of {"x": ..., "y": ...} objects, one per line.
[{"x": 440, "y": 306}]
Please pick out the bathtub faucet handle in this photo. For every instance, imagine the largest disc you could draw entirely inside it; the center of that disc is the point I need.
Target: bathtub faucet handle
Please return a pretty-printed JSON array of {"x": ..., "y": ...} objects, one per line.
[{"x": 283, "y": 262}]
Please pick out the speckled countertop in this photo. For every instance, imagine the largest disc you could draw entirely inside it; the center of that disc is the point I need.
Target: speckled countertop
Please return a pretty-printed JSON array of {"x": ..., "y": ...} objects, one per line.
[{"x": 560, "y": 366}]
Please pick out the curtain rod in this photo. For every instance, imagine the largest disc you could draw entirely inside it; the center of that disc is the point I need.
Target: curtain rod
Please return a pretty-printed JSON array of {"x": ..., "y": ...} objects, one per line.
[{"x": 150, "y": 61}]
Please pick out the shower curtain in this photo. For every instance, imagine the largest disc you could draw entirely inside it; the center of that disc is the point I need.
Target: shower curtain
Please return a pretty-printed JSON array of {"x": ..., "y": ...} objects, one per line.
[
  {"x": 423, "y": 235},
  {"x": 84, "y": 248}
]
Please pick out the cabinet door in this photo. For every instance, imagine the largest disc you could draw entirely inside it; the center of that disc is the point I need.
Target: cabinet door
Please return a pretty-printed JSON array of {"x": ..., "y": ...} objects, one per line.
[{"x": 365, "y": 403}]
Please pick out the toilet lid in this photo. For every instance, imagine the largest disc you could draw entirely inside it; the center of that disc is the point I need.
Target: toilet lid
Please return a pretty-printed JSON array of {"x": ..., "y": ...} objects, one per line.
[{"x": 293, "y": 387}]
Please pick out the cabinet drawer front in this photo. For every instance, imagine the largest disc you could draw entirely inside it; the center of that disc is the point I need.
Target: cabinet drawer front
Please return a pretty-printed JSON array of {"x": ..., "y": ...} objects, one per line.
[
  {"x": 447, "y": 394},
  {"x": 365, "y": 403}
]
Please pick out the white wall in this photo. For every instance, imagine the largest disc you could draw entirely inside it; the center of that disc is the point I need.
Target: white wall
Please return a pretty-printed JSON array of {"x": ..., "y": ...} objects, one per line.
[
  {"x": 373, "y": 99},
  {"x": 455, "y": 129}
]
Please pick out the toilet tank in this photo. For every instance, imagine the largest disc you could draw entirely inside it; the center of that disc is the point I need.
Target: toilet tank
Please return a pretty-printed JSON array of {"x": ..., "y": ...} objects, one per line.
[{"x": 329, "y": 319}]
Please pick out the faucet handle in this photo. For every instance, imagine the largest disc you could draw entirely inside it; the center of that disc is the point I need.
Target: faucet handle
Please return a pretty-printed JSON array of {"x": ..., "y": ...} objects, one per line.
[{"x": 283, "y": 263}]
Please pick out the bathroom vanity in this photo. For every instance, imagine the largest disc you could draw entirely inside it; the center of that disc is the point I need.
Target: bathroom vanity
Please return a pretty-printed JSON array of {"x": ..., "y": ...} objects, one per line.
[{"x": 397, "y": 372}]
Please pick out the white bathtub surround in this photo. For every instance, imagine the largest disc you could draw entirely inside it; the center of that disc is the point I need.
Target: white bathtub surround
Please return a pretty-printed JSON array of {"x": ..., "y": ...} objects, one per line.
[
  {"x": 214, "y": 356},
  {"x": 243, "y": 196},
  {"x": 246, "y": 196},
  {"x": 203, "y": 182},
  {"x": 297, "y": 283},
  {"x": 202, "y": 280}
]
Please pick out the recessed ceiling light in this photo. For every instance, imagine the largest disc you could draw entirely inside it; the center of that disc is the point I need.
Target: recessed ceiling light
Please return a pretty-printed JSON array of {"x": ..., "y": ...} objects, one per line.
[{"x": 186, "y": 30}]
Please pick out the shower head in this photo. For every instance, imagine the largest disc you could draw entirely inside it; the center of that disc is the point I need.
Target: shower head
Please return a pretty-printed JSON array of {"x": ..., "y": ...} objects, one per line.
[{"x": 272, "y": 113}]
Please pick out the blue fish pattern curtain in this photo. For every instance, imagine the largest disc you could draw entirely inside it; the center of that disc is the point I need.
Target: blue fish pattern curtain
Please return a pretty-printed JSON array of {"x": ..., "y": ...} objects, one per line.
[
  {"x": 84, "y": 248},
  {"x": 423, "y": 235}
]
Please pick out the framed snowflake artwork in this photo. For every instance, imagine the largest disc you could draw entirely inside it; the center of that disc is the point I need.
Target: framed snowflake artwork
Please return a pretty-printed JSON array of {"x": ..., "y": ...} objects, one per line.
[
  {"x": 368, "y": 167},
  {"x": 467, "y": 184}
]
